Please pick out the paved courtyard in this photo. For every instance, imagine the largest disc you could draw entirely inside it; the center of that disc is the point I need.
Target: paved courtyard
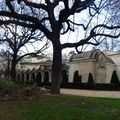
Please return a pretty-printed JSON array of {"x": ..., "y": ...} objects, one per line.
[{"x": 91, "y": 93}]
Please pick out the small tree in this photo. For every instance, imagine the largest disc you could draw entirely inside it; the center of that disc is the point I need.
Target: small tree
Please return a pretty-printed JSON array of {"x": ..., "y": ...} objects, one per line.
[
  {"x": 64, "y": 76},
  {"x": 5, "y": 62},
  {"x": 115, "y": 79},
  {"x": 90, "y": 79},
  {"x": 76, "y": 78}
]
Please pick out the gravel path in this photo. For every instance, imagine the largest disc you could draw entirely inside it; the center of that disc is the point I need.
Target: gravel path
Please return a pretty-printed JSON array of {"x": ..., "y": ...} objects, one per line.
[{"x": 92, "y": 93}]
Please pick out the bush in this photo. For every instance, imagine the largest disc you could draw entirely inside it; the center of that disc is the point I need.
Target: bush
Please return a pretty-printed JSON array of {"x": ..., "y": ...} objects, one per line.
[
  {"x": 76, "y": 78},
  {"x": 90, "y": 79},
  {"x": 29, "y": 89},
  {"x": 98, "y": 86},
  {"x": 7, "y": 86},
  {"x": 114, "y": 79}
]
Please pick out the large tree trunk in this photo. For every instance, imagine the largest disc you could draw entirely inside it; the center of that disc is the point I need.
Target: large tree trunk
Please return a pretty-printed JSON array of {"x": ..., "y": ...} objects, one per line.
[
  {"x": 56, "y": 67},
  {"x": 7, "y": 72},
  {"x": 13, "y": 71}
]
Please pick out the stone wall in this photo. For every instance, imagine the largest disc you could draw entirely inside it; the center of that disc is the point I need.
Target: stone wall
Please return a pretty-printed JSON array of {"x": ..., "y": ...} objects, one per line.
[
  {"x": 95, "y": 62},
  {"x": 116, "y": 58},
  {"x": 84, "y": 67}
]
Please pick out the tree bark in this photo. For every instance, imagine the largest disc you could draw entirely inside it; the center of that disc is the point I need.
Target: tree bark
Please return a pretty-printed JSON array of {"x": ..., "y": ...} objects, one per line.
[
  {"x": 13, "y": 70},
  {"x": 8, "y": 67},
  {"x": 56, "y": 67}
]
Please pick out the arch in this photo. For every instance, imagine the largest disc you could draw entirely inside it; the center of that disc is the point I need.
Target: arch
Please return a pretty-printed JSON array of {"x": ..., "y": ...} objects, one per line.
[
  {"x": 33, "y": 77},
  {"x": 23, "y": 76},
  {"x": 38, "y": 78},
  {"x": 18, "y": 77},
  {"x": 64, "y": 76},
  {"x": 46, "y": 77},
  {"x": 95, "y": 53},
  {"x": 27, "y": 77}
]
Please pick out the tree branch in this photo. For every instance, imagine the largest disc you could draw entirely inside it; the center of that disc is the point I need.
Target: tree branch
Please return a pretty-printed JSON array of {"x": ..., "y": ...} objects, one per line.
[
  {"x": 34, "y": 5},
  {"x": 23, "y": 17},
  {"x": 92, "y": 34},
  {"x": 8, "y": 3},
  {"x": 45, "y": 46},
  {"x": 23, "y": 24}
]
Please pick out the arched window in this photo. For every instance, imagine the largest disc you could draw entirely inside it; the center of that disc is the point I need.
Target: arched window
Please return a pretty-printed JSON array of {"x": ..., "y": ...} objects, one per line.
[
  {"x": 46, "y": 77},
  {"x": 18, "y": 77},
  {"x": 33, "y": 77},
  {"x": 23, "y": 77},
  {"x": 39, "y": 78},
  {"x": 27, "y": 77}
]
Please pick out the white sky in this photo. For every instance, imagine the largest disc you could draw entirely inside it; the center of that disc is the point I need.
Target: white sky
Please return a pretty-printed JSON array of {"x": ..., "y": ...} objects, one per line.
[{"x": 71, "y": 36}]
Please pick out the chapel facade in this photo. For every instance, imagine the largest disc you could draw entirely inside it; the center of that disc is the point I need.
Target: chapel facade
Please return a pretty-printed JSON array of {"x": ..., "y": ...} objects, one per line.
[
  {"x": 100, "y": 64},
  {"x": 96, "y": 62}
]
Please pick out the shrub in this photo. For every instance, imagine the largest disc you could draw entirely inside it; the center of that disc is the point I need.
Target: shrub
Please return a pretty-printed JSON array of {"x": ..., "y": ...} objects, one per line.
[
  {"x": 7, "y": 86},
  {"x": 114, "y": 79},
  {"x": 90, "y": 79},
  {"x": 98, "y": 86},
  {"x": 76, "y": 78},
  {"x": 29, "y": 89}
]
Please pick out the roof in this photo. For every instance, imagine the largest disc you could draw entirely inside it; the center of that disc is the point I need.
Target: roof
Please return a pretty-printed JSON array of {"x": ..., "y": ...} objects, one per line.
[
  {"x": 93, "y": 54},
  {"x": 109, "y": 60},
  {"x": 83, "y": 55},
  {"x": 47, "y": 62}
]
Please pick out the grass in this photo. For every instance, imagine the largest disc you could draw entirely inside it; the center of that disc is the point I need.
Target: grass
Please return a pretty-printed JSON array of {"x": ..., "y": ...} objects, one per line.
[{"x": 61, "y": 107}]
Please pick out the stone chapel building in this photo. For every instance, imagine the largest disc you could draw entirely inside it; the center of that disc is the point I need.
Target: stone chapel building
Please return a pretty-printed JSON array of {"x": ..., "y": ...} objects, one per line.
[{"x": 101, "y": 66}]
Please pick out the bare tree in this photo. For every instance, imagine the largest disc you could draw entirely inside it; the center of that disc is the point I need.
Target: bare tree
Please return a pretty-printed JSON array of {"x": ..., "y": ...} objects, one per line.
[
  {"x": 5, "y": 62},
  {"x": 110, "y": 45},
  {"x": 17, "y": 38},
  {"x": 114, "y": 10},
  {"x": 56, "y": 18}
]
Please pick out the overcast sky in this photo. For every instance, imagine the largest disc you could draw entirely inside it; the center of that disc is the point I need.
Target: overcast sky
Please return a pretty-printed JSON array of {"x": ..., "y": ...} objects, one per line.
[{"x": 79, "y": 33}]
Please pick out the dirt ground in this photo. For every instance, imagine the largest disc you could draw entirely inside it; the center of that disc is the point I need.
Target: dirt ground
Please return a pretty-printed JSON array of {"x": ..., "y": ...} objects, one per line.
[{"x": 91, "y": 93}]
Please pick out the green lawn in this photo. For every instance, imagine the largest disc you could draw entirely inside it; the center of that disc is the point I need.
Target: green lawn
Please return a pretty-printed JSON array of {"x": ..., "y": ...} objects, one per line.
[{"x": 61, "y": 107}]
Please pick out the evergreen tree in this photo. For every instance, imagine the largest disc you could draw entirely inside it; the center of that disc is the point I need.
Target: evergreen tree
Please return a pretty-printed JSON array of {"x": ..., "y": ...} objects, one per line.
[
  {"x": 115, "y": 79},
  {"x": 90, "y": 79},
  {"x": 64, "y": 76},
  {"x": 76, "y": 78}
]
